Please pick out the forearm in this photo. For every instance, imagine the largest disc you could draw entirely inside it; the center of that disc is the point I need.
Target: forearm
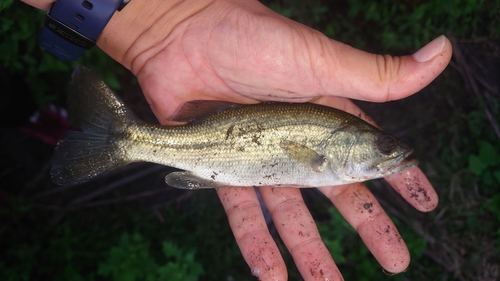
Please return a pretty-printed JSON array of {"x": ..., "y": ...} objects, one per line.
[{"x": 137, "y": 32}]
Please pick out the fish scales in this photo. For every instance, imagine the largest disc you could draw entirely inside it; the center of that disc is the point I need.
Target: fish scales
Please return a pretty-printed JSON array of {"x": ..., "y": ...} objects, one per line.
[
  {"x": 241, "y": 146},
  {"x": 267, "y": 144}
]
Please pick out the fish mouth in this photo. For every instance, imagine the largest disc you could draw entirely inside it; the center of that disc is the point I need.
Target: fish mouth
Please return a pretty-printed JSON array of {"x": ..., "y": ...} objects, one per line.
[
  {"x": 398, "y": 164},
  {"x": 407, "y": 163}
]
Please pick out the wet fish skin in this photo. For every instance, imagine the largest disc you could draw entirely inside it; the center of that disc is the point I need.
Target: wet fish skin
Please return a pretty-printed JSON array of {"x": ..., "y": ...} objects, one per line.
[{"x": 268, "y": 144}]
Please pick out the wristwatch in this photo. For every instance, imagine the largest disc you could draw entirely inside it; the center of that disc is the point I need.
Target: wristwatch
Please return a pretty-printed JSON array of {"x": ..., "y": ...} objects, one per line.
[{"x": 73, "y": 26}]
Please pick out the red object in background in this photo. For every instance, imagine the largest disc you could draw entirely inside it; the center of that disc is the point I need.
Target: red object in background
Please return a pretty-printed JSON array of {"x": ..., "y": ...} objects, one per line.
[{"x": 48, "y": 125}]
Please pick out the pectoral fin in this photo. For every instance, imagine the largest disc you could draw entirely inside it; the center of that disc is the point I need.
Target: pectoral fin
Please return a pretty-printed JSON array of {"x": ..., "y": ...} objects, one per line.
[
  {"x": 305, "y": 155},
  {"x": 187, "y": 180}
]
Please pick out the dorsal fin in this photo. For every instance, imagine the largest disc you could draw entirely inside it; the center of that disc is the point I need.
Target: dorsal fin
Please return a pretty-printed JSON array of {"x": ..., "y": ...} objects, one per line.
[{"x": 198, "y": 110}]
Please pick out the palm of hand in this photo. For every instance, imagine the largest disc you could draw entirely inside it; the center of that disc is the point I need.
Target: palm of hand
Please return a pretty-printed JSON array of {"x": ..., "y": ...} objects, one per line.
[{"x": 249, "y": 54}]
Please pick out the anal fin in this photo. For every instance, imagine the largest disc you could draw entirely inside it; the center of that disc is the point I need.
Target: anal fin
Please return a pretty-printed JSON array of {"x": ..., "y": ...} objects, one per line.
[{"x": 187, "y": 180}]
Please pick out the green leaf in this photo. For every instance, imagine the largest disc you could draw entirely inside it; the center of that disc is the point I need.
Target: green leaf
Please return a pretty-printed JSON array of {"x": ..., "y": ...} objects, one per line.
[
  {"x": 417, "y": 246},
  {"x": 129, "y": 261},
  {"x": 494, "y": 206},
  {"x": 4, "y": 4},
  {"x": 487, "y": 178},
  {"x": 487, "y": 153},
  {"x": 183, "y": 268},
  {"x": 496, "y": 175},
  {"x": 476, "y": 166},
  {"x": 336, "y": 248}
]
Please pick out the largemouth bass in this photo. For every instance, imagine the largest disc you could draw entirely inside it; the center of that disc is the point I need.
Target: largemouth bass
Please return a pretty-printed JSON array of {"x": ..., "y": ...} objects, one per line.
[{"x": 267, "y": 144}]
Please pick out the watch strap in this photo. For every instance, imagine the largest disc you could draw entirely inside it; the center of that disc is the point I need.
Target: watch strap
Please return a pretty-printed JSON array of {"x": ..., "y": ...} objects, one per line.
[{"x": 72, "y": 26}]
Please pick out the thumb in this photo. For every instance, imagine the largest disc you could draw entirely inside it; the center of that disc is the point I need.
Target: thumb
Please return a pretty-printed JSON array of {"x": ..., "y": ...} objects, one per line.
[
  {"x": 382, "y": 78},
  {"x": 286, "y": 61}
]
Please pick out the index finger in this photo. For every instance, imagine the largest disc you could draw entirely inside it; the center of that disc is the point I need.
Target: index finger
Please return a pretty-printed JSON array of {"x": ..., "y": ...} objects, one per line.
[{"x": 415, "y": 188}]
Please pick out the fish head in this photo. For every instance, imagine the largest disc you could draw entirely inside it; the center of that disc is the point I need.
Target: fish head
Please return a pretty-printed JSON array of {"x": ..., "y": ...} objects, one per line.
[{"x": 374, "y": 154}]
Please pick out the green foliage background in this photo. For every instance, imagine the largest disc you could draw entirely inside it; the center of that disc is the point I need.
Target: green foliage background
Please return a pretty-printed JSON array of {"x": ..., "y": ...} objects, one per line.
[
  {"x": 459, "y": 152},
  {"x": 45, "y": 75}
]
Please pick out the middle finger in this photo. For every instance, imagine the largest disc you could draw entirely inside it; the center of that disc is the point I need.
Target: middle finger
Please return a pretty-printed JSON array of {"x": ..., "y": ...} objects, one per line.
[{"x": 299, "y": 233}]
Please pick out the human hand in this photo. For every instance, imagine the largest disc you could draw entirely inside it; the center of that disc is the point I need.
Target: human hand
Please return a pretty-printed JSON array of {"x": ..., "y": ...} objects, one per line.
[{"x": 242, "y": 52}]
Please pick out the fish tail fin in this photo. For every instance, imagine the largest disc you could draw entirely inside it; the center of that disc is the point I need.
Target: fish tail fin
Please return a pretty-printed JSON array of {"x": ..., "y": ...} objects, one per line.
[{"x": 103, "y": 120}]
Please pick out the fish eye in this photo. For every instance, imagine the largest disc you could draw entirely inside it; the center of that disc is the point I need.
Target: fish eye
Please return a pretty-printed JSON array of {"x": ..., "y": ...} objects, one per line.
[{"x": 386, "y": 144}]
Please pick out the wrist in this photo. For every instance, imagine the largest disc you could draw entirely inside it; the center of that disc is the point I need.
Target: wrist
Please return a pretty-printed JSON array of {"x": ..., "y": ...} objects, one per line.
[
  {"x": 40, "y": 4},
  {"x": 136, "y": 33},
  {"x": 143, "y": 28}
]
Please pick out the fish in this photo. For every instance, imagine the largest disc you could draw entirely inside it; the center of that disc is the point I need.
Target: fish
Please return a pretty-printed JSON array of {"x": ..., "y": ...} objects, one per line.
[{"x": 265, "y": 144}]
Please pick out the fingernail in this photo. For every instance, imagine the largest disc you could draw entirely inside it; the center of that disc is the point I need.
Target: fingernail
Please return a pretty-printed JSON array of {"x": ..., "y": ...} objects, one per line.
[{"x": 430, "y": 50}]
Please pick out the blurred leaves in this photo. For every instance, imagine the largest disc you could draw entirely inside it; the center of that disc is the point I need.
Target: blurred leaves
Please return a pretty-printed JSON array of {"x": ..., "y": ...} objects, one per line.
[
  {"x": 5, "y": 4},
  {"x": 488, "y": 156},
  {"x": 132, "y": 260},
  {"x": 409, "y": 25},
  {"x": 394, "y": 25},
  {"x": 45, "y": 74},
  {"x": 494, "y": 205}
]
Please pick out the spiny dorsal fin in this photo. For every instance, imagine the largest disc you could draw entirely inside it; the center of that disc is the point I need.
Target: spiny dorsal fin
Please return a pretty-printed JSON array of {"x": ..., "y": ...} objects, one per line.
[
  {"x": 198, "y": 110},
  {"x": 304, "y": 155}
]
